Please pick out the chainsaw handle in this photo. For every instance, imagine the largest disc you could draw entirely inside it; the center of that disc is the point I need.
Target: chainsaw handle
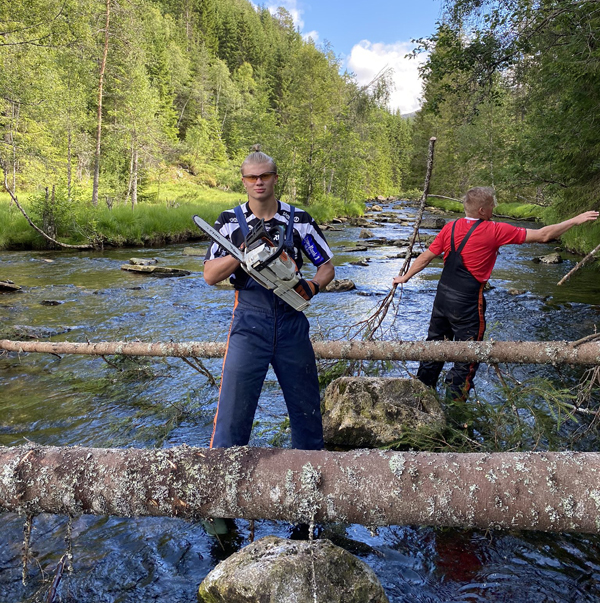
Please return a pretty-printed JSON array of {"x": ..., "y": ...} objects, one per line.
[{"x": 277, "y": 251}]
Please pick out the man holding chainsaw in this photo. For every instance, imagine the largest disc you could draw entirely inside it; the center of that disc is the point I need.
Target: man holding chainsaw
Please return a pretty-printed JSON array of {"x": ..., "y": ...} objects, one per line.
[{"x": 265, "y": 329}]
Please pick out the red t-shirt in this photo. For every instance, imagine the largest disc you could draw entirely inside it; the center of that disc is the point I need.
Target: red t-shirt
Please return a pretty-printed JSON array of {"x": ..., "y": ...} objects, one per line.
[{"x": 481, "y": 250}]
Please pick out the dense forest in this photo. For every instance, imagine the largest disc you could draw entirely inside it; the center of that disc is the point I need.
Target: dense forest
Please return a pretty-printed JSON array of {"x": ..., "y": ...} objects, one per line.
[
  {"x": 98, "y": 97},
  {"x": 111, "y": 102},
  {"x": 512, "y": 90}
]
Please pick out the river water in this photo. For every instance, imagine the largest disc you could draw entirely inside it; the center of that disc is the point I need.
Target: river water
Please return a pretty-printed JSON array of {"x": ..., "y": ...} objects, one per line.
[{"x": 86, "y": 401}]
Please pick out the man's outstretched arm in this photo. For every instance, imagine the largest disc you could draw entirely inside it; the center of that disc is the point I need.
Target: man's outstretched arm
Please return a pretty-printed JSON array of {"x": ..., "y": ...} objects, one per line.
[
  {"x": 553, "y": 231},
  {"x": 421, "y": 262}
]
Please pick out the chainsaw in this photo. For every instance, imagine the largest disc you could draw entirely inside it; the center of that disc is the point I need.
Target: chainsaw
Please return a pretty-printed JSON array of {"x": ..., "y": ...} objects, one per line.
[{"x": 266, "y": 262}]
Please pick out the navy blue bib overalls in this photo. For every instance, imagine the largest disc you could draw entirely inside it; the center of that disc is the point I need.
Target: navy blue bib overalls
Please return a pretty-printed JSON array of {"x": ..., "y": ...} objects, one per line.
[
  {"x": 458, "y": 314},
  {"x": 267, "y": 331}
]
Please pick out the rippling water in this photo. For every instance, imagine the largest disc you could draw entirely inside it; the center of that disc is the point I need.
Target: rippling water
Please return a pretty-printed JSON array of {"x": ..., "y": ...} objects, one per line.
[{"x": 82, "y": 400}]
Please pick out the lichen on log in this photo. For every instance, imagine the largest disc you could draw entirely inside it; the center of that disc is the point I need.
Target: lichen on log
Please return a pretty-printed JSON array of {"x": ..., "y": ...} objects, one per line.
[{"x": 538, "y": 491}]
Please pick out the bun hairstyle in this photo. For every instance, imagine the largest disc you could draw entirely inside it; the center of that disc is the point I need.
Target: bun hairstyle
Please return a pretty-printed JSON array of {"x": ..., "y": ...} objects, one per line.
[{"x": 257, "y": 156}]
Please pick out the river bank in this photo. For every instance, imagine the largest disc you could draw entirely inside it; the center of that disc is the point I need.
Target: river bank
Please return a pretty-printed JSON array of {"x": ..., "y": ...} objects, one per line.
[{"x": 149, "y": 224}]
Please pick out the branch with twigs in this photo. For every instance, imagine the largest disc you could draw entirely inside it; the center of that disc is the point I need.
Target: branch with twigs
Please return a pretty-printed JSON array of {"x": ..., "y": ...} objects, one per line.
[{"x": 373, "y": 323}]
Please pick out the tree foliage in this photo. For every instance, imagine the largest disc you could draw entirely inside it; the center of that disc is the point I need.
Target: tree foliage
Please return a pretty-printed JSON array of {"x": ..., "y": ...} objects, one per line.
[
  {"x": 511, "y": 92},
  {"x": 190, "y": 84}
]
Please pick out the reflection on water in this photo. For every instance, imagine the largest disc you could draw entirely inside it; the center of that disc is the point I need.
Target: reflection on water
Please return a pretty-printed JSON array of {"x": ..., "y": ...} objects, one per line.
[{"x": 86, "y": 401}]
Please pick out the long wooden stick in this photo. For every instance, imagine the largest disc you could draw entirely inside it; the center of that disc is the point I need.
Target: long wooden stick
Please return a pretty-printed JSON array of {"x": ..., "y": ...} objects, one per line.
[
  {"x": 583, "y": 262},
  {"x": 372, "y": 324},
  {"x": 518, "y": 352},
  {"x": 419, "y": 217}
]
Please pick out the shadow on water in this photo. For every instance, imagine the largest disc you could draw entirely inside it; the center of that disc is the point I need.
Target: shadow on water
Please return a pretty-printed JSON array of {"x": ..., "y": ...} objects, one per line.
[{"x": 148, "y": 403}]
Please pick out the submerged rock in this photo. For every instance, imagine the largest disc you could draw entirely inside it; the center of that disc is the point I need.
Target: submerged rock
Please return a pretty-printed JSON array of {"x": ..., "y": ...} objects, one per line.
[
  {"x": 7, "y": 285},
  {"x": 23, "y": 332},
  {"x": 155, "y": 270},
  {"x": 433, "y": 223},
  {"x": 291, "y": 571},
  {"x": 551, "y": 258},
  {"x": 340, "y": 285},
  {"x": 368, "y": 412},
  {"x": 194, "y": 251},
  {"x": 143, "y": 261},
  {"x": 352, "y": 249}
]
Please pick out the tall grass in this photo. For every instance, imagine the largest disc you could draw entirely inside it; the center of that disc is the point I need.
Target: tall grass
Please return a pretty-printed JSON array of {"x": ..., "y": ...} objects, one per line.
[
  {"x": 162, "y": 217},
  {"x": 517, "y": 211}
]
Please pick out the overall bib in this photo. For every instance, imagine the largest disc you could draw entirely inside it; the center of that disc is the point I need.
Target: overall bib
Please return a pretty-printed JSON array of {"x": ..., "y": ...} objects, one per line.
[
  {"x": 267, "y": 331},
  {"x": 458, "y": 314}
]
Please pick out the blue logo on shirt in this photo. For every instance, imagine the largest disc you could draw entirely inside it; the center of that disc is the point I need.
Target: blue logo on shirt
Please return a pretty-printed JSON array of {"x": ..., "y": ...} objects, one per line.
[{"x": 311, "y": 250}]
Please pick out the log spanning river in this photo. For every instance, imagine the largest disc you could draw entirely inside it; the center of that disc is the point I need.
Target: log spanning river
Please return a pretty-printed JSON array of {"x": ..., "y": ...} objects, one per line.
[{"x": 81, "y": 400}]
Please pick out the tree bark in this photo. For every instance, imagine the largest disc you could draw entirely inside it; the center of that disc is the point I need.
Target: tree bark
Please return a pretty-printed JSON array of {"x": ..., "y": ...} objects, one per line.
[
  {"x": 531, "y": 491},
  {"x": 134, "y": 188},
  {"x": 99, "y": 118},
  {"x": 492, "y": 352}
]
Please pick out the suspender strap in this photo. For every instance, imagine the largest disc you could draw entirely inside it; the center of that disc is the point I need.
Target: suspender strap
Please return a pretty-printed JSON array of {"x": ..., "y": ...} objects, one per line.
[
  {"x": 466, "y": 237},
  {"x": 289, "y": 233},
  {"x": 241, "y": 218}
]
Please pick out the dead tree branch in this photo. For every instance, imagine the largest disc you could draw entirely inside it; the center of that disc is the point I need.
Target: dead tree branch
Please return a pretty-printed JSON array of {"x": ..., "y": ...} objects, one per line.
[
  {"x": 579, "y": 265},
  {"x": 491, "y": 352},
  {"x": 373, "y": 323},
  {"x": 36, "y": 228}
]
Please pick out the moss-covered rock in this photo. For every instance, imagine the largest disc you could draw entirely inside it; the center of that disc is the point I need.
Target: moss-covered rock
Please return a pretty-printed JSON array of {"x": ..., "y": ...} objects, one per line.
[
  {"x": 368, "y": 412},
  {"x": 291, "y": 571}
]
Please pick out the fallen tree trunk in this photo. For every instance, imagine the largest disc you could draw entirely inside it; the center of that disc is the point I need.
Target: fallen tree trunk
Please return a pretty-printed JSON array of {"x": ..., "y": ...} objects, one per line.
[
  {"x": 519, "y": 352},
  {"x": 537, "y": 491}
]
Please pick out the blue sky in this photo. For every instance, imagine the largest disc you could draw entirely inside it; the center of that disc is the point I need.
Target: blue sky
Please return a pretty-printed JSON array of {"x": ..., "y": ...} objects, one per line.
[{"x": 371, "y": 35}]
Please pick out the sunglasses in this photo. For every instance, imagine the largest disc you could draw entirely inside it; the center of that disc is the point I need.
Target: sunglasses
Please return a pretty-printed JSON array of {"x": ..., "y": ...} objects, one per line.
[{"x": 266, "y": 177}]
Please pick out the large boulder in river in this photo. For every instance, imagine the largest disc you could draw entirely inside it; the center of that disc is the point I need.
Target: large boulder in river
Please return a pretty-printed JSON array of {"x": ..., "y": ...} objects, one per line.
[
  {"x": 291, "y": 571},
  {"x": 368, "y": 412}
]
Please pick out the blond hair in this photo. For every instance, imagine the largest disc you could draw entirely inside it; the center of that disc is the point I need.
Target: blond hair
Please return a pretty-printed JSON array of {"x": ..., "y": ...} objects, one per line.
[
  {"x": 257, "y": 156},
  {"x": 479, "y": 197}
]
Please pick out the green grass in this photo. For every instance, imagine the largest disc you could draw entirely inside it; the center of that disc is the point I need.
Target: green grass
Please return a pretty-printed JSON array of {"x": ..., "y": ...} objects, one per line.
[
  {"x": 521, "y": 211},
  {"x": 518, "y": 211},
  {"x": 162, "y": 216}
]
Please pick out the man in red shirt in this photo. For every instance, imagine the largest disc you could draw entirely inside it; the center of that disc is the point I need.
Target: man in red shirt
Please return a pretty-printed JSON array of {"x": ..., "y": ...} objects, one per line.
[{"x": 470, "y": 246}]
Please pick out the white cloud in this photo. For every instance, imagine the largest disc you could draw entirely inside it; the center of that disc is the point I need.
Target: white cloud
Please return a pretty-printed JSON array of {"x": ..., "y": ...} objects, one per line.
[
  {"x": 367, "y": 59},
  {"x": 292, "y": 7},
  {"x": 313, "y": 35}
]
